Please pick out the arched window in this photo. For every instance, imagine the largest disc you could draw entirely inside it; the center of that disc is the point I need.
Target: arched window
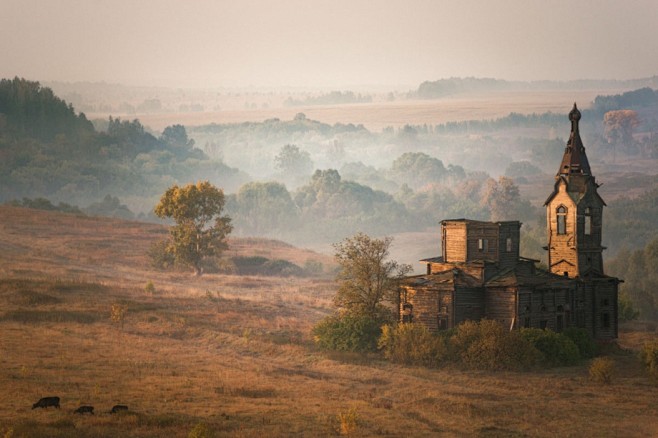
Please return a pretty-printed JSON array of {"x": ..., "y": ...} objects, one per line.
[{"x": 561, "y": 220}]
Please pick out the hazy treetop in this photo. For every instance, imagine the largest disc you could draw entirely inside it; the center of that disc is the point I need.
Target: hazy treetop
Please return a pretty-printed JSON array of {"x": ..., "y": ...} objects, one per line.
[{"x": 318, "y": 43}]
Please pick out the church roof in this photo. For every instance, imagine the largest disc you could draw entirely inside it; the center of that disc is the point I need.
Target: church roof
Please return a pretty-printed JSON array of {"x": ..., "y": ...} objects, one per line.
[{"x": 574, "y": 161}]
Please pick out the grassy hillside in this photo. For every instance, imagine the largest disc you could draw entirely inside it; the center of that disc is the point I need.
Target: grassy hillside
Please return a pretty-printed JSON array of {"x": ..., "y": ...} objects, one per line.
[{"x": 233, "y": 354}]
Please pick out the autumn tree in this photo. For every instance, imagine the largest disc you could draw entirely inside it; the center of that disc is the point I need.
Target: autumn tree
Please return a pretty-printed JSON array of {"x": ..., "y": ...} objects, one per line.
[
  {"x": 619, "y": 127},
  {"x": 200, "y": 230},
  {"x": 503, "y": 199},
  {"x": 367, "y": 279},
  {"x": 368, "y": 285}
]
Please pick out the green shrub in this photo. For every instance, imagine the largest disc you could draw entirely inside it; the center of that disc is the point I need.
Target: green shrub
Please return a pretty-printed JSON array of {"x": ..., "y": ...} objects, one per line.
[
  {"x": 487, "y": 345},
  {"x": 346, "y": 332},
  {"x": 602, "y": 370},
  {"x": 557, "y": 349},
  {"x": 583, "y": 340},
  {"x": 313, "y": 267},
  {"x": 149, "y": 288},
  {"x": 649, "y": 358},
  {"x": 200, "y": 430},
  {"x": 412, "y": 344}
]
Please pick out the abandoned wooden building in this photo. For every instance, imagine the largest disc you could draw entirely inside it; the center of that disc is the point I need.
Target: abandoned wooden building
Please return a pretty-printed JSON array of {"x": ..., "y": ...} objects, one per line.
[{"x": 480, "y": 273}]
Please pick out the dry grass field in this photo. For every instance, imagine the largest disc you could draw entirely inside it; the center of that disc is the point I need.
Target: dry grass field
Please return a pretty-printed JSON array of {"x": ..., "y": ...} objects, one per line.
[
  {"x": 233, "y": 356},
  {"x": 380, "y": 114}
]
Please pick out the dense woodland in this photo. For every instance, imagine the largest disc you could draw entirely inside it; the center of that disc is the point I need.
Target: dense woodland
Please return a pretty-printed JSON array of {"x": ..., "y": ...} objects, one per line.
[{"x": 305, "y": 181}]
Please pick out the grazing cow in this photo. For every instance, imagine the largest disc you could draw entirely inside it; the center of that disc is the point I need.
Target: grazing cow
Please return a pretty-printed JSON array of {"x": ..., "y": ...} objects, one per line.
[
  {"x": 84, "y": 410},
  {"x": 46, "y": 401},
  {"x": 118, "y": 408}
]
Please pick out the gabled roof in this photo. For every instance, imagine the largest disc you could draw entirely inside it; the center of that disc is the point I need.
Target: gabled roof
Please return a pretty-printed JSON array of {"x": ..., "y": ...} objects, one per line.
[
  {"x": 452, "y": 277},
  {"x": 516, "y": 277}
]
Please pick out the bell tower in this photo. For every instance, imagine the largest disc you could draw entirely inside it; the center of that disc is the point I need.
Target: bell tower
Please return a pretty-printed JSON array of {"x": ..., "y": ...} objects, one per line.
[{"x": 574, "y": 213}]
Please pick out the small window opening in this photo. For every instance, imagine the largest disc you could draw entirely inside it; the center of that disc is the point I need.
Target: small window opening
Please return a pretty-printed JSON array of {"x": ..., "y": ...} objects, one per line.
[
  {"x": 543, "y": 324},
  {"x": 588, "y": 221},
  {"x": 606, "y": 320},
  {"x": 559, "y": 323},
  {"x": 508, "y": 242},
  {"x": 561, "y": 220},
  {"x": 483, "y": 245}
]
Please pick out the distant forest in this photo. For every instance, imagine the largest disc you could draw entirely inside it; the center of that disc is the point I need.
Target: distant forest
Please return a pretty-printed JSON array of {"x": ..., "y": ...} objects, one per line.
[{"x": 455, "y": 86}]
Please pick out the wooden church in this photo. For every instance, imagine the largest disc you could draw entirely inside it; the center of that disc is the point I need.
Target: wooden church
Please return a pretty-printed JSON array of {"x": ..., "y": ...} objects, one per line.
[{"x": 480, "y": 273}]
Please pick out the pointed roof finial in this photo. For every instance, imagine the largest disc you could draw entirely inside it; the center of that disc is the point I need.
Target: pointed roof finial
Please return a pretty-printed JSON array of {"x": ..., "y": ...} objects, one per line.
[{"x": 574, "y": 115}]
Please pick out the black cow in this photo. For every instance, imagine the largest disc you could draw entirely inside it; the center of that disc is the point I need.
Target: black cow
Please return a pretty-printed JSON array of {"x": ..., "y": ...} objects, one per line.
[
  {"x": 84, "y": 410},
  {"x": 118, "y": 408},
  {"x": 46, "y": 401}
]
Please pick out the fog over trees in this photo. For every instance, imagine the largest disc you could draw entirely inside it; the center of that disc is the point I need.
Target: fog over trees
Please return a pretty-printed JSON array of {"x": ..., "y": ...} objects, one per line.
[{"x": 313, "y": 183}]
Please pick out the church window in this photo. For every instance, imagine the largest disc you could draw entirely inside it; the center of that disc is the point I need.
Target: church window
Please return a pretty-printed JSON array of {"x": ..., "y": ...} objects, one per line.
[
  {"x": 561, "y": 220},
  {"x": 588, "y": 221}
]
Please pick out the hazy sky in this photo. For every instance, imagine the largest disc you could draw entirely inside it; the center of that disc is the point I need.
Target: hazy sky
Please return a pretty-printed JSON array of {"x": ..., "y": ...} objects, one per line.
[{"x": 335, "y": 43}]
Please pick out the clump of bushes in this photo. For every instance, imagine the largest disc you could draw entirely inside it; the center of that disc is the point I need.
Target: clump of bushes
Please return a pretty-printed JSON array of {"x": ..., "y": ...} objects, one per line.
[
  {"x": 258, "y": 265},
  {"x": 557, "y": 349},
  {"x": 487, "y": 345},
  {"x": 483, "y": 345},
  {"x": 602, "y": 370},
  {"x": 587, "y": 348},
  {"x": 412, "y": 344},
  {"x": 348, "y": 332}
]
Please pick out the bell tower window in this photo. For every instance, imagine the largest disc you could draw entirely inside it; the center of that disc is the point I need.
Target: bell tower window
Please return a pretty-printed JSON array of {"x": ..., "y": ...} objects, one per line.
[
  {"x": 588, "y": 221},
  {"x": 561, "y": 220}
]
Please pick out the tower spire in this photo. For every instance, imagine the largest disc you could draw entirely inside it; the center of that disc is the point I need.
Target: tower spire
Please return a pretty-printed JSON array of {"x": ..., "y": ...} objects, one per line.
[{"x": 574, "y": 161}]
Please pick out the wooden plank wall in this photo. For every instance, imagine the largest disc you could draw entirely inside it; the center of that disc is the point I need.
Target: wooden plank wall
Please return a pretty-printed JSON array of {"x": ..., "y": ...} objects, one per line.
[
  {"x": 454, "y": 241},
  {"x": 482, "y": 230}
]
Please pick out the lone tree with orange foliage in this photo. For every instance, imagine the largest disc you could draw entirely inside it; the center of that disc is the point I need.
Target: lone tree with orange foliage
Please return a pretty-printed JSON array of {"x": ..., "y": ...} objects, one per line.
[
  {"x": 619, "y": 126},
  {"x": 200, "y": 230}
]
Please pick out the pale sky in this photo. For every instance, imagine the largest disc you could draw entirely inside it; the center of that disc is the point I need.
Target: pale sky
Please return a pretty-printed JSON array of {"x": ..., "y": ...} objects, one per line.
[{"x": 334, "y": 43}]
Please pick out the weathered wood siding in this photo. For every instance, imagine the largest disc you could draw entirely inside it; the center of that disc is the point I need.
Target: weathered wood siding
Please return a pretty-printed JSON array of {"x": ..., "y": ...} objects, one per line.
[
  {"x": 508, "y": 256},
  {"x": 469, "y": 304},
  {"x": 486, "y": 232},
  {"x": 429, "y": 305},
  {"x": 453, "y": 241},
  {"x": 500, "y": 304},
  {"x": 604, "y": 309}
]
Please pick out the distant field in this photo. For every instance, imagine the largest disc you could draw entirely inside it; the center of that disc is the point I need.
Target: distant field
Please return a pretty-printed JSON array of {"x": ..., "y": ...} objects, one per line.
[
  {"x": 233, "y": 354},
  {"x": 378, "y": 115}
]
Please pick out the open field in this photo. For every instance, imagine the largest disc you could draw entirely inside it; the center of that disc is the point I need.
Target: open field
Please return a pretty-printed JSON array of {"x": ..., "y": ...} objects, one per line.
[
  {"x": 234, "y": 353},
  {"x": 381, "y": 114}
]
